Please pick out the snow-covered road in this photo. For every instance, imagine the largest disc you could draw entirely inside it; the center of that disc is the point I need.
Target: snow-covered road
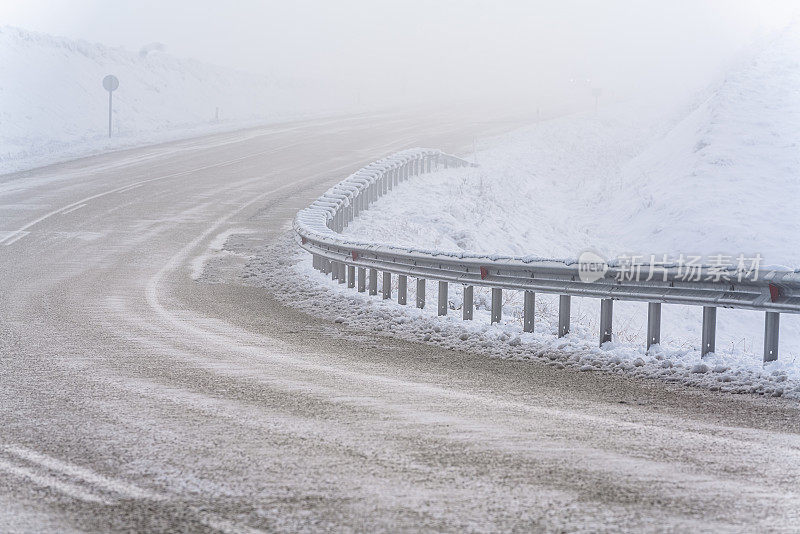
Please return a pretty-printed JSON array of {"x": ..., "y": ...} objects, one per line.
[{"x": 134, "y": 397}]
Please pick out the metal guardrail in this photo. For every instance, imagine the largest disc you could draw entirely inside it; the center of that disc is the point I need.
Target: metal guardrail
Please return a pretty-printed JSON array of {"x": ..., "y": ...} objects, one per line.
[{"x": 357, "y": 262}]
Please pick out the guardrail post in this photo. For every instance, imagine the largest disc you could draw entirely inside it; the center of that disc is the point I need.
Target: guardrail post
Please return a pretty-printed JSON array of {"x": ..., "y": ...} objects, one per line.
[
  {"x": 342, "y": 275},
  {"x": 497, "y": 304},
  {"x": 653, "y": 324},
  {"x": 395, "y": 178},
  {"x": 709, "y": 329},
  {"x": 402, "y": 289},
  {"x": 771, "y": 328},
  {"x": 563, "y": 315},
  {"x": 385, "y": 184},
  {"x": 334, "y": 270},
  {"x": 362, "y": 279},
  {"x": 351, "y": 276},
  {"x": 373, "y": 281},
  {"x": 468, "y": 306},
  {"x": 387, "y": 285},
  {"x": 606, "y": 319},
  {"x": 442, "y": 298},
  {"x": 528, "y": 311},
  {"x": 420, "y": 293}
]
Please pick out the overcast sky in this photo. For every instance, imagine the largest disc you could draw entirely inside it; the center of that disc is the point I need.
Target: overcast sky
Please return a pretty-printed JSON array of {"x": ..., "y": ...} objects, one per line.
[{"x": 441, "y": 47}]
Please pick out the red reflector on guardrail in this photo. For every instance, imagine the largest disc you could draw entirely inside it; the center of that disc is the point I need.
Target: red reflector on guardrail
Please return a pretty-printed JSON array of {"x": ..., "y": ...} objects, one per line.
[
  {"x": 303, "y": 239},
  {"x": 774, "y": 292},
  {"x": 354, "y": 254},
  {"x": 484, "y": 273}
]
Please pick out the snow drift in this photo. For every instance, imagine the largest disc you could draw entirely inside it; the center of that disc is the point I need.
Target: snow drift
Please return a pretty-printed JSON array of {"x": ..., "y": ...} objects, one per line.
[{"x": 53, "y": 106}]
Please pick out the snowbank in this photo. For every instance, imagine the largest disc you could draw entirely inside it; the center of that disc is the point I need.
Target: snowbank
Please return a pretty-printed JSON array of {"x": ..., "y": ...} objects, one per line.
[
  {"x": 292, "y": 279},
  {"x": 716, "y": 177},
  {"x": 53, "y": 105}
]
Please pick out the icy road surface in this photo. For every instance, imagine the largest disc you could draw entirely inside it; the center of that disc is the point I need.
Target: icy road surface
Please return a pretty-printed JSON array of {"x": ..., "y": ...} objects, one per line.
[{"x": 134, "y": 397}]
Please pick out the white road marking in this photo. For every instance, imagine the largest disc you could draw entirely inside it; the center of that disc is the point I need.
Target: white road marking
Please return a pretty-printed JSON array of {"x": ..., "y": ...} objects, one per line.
[
  {"x": 52, "y": 482},
  {"x": 62, "y": 209},
  {"x": 16, "y": 236},
  {"x": 223, "y": 525},
  {"x": 116, "y": 486},
  {"x": 64, "y": 212},
  {"x": 122, "y": 488}
]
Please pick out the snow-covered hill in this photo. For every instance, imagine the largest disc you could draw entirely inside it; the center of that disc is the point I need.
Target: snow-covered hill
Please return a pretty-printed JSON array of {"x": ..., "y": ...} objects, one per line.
[
  {"x": 720, "y": 175},
  {"x": 53, "y": 105}
]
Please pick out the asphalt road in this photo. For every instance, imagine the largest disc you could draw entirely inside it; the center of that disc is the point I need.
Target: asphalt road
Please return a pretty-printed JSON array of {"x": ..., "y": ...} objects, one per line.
[{"x": 134, "y": 398}]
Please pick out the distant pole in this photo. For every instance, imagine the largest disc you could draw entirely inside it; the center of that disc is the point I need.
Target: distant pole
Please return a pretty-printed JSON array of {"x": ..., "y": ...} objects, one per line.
[
  {"x": 597, "y": 93},
  {"x": 110, "y": 84}
]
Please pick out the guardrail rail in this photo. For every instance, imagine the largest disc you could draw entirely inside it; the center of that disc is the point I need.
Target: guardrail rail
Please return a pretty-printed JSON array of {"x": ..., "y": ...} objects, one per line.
[{"x": 357, "y": 263}]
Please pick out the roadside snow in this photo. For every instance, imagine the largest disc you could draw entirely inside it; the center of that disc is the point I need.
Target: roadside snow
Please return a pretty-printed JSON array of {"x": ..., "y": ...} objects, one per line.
[
  {"x": 292, "y": 280},
  {"x": 719, "y": 176},
  {"x": 55, "y": 108}
]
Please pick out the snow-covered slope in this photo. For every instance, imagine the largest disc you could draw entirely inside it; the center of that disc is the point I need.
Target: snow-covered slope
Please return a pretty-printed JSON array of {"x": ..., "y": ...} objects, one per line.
[
  {"x": 718, "y": 176},
  {"x": 53, "y": 105},
  {"x": 727, "y": 178}
]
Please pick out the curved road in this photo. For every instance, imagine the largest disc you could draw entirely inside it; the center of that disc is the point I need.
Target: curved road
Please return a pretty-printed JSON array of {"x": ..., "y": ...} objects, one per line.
[{"x": 134, "y": 398}]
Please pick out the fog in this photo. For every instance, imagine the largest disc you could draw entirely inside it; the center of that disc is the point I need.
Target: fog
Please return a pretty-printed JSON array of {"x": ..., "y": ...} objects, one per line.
[{"x": 415, "y": 51}]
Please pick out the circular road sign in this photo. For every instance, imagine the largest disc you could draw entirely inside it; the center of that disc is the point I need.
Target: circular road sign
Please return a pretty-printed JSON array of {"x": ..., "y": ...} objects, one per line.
[{"x": 110, "y": 83}]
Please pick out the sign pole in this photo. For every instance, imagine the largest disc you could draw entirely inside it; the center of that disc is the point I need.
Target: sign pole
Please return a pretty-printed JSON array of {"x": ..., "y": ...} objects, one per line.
[
  {"x": 109, "y": 113},
  {"x": 110, "y": 84}
]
